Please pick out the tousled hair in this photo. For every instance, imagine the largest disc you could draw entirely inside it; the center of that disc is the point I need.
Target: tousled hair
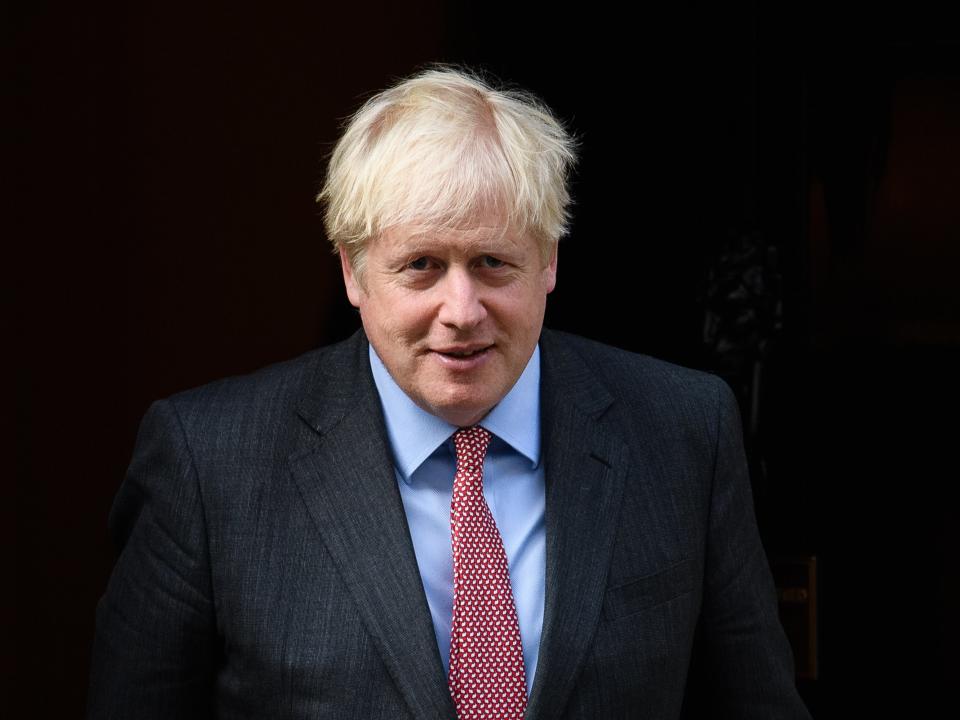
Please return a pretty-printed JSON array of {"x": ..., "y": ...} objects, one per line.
[{"x": 440, "y": 150}]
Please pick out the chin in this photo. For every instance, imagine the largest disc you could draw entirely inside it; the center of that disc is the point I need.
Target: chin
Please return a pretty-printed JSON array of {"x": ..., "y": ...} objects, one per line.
[{"x": 461, "y": 414}]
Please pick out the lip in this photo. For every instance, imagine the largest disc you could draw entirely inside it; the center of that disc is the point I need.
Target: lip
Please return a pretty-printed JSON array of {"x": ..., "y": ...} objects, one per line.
[
  {"x": 480, "y": 355},
  {"x": 462, "y": 349}
]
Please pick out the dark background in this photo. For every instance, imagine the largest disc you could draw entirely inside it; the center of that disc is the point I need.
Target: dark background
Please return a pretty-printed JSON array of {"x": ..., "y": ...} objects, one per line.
[{"x": 163, "y": 161}]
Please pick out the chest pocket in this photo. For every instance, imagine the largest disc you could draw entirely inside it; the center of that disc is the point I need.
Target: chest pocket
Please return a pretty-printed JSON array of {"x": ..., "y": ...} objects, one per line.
[{"x": 646, "y": 592}]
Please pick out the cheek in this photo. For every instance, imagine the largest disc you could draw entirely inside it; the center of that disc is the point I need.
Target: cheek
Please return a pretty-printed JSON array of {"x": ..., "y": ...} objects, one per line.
[
  {"x": 524, "y": 311},
  {"x": 399, "y": 318}
]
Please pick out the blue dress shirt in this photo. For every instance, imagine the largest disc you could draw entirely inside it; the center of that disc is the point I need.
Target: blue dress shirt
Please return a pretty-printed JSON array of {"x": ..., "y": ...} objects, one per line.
[{"x": 513, "y": 485}]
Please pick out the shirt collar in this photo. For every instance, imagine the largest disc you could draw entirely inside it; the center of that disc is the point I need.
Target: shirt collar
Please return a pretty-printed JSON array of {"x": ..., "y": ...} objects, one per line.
[{"x": 415, "y": 434}]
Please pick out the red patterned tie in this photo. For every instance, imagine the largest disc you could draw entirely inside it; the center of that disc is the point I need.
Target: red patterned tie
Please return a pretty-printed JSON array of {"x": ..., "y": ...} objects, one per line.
[{"x": 487, "y": 678}]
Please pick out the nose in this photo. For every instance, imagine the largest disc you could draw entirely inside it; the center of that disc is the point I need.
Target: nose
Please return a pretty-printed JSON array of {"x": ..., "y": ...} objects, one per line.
[{"x": 461, "y": 304}]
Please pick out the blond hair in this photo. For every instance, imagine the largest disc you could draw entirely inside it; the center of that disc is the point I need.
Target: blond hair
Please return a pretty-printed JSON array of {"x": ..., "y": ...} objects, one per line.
[{"x": 440, "y": 149}]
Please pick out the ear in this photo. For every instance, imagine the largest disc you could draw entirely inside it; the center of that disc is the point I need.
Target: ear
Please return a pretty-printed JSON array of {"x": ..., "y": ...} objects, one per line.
[
  {"x": 550, "y": 271},
  {"x": 354, "y": 291}
]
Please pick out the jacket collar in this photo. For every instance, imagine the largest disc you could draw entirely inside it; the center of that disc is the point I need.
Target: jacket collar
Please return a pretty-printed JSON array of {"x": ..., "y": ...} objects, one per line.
[
  {"x": 345, "y": 475},
  {"x": 585, "y": 465}
]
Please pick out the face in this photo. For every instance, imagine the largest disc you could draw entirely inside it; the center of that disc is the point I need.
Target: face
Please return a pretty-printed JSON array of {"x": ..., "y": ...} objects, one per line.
[{"x": 454, "y": 315}]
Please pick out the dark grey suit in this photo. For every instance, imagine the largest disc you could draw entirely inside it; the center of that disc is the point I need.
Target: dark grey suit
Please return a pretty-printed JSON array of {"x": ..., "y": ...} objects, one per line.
[{"x": 267, "y": 569}]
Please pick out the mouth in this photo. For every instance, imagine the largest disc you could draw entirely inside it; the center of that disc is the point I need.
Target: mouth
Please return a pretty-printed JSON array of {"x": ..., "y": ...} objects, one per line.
[
  {"x": 465, "y": 352},
  {"x": 462, "y": 357}
]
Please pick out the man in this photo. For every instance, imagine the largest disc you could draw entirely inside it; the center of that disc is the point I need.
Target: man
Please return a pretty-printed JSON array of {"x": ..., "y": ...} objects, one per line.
[{"x": 455, "y": 513}]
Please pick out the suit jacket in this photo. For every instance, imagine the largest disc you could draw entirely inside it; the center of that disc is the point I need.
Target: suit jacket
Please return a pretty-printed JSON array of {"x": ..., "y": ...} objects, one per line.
[{"x": 267, "y": 571}]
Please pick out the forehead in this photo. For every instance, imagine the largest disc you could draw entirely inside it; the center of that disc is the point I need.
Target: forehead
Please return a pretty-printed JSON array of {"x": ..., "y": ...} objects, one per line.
[{"x": 482, "y": 235}]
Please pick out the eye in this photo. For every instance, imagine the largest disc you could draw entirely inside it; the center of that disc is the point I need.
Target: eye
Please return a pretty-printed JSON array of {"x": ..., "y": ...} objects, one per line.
[
  {"x": 491, "y": 262},
  {"x": 421, "y": 263}
]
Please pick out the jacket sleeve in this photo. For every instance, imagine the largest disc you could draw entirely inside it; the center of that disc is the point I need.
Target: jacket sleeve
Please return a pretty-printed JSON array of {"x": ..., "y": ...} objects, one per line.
[
  {"x": 748, "y": 657},
  {"x": 155, "y": 650}
]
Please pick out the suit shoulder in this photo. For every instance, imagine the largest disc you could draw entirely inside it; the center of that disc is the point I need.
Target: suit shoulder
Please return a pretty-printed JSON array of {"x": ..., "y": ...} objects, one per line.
[
  {"x": 623, "y": 371},
  {"x": 272, "y": 389}
]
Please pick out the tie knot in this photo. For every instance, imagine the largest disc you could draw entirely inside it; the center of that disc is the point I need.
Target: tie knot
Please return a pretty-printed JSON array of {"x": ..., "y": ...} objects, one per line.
[{"x": 471, "y": 444}]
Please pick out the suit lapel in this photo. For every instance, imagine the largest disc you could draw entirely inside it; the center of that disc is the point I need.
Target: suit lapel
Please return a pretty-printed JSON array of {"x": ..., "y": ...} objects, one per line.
[
  {"x": 345, "y": 475},
  {"x": 585, "y": 465}
]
